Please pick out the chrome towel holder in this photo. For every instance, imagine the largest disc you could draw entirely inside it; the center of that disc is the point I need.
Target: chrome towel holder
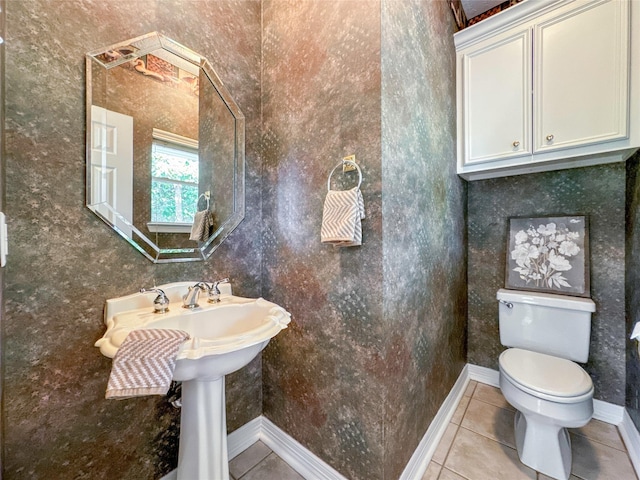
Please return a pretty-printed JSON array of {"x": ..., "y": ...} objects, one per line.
[
  {"x": 206, "y": 196},
  {"x": 342, "y": 162}
]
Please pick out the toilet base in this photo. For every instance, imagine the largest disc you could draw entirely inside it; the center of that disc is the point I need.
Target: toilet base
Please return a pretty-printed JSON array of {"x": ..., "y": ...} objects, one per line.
[{"x": 543, "y": 447}]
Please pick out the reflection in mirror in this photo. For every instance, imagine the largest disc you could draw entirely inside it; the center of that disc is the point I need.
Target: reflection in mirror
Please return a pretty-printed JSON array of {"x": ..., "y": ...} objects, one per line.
[{"x": 165, "y": 148}]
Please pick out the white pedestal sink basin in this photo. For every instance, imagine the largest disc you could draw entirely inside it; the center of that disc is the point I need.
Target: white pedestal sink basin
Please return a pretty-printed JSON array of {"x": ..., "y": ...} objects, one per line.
[{"x": 225, "y": 337}]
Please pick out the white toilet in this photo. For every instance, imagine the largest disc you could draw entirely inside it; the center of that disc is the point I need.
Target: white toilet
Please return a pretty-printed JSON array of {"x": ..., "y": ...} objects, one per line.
[{"x": 538, "y": 378}]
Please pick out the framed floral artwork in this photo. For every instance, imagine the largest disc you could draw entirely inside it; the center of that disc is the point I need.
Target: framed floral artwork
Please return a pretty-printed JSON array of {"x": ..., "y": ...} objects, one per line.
[{"x": 549, "y": 254}]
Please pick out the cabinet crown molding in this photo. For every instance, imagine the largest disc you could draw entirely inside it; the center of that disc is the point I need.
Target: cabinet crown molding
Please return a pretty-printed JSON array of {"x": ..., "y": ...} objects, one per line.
[{"x": 505, "y": 20}]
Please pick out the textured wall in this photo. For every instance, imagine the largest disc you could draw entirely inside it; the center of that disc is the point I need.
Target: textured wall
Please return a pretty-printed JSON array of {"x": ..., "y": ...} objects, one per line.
[
  {"x": 65, "y": 262},
  {"x": 599, "y": 193},
  {"x": 3, "y": 5},
  {"x": 632, "y": 284},
  {"x": 372, "y": 349},
  {"x": 423, "y": 212},
  {"x": 321, "y": 101}
]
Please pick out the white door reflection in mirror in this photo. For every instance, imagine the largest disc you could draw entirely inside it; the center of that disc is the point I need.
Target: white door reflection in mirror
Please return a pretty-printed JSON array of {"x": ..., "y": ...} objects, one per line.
[{"x": 112, "y": 167}]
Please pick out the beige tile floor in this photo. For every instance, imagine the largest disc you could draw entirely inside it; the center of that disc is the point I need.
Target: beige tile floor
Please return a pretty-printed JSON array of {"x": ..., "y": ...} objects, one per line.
[
  {"x": 478, "y": 444},
  {"x": 258, "y": 462}
]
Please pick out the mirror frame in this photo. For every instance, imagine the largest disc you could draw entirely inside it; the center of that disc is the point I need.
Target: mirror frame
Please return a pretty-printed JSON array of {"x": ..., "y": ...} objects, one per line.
[{"x": 146, "y": 44}]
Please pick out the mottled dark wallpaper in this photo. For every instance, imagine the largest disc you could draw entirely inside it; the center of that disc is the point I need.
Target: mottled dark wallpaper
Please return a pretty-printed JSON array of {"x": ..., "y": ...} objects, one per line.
[
  {"x": 65, "y": 262},
  {"x": 321, "y": 101},
  {"x": 423, "y": 224},
  {"x": 599, "y": 193},
  {"x": 357, "y": 345},
  {"x": 377, "y": 335},
  {"x": 632, "y": 284}
]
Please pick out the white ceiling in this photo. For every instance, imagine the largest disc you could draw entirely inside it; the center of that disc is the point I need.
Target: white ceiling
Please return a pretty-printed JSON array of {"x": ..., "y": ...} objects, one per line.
[{"x": 473, "y": 8}]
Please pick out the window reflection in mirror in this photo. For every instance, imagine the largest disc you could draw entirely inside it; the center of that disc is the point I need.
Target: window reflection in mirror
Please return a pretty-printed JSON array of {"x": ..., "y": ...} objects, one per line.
[{"x": 174, "y": 182}]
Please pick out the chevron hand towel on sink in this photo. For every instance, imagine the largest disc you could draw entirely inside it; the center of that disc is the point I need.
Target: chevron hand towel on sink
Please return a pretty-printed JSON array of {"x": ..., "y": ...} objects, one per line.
[
  {"x": 144, "y": 363},
  {"x": 341, "y": 218}
]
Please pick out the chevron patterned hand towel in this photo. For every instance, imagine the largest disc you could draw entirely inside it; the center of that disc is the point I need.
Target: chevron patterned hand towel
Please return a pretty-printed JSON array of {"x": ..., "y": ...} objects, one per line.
[
  {"x": 202, "y": 223},
  {"x": 144, "y": 363},
  {"x": 341, "y": 218}
]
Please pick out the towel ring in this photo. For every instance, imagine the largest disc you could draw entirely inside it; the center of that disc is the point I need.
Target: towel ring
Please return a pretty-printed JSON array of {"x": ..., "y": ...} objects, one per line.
[
  {"x": 206, "y": 195},
  {"x": 357, "y": 167}
]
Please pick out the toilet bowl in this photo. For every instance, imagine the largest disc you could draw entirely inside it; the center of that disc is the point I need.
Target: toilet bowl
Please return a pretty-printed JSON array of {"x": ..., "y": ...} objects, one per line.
[
  {"x": 550, "y": 395},
  {"x": 546, "y": 333}
]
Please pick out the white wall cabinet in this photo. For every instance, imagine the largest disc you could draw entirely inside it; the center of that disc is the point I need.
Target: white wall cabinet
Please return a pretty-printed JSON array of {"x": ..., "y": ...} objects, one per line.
[
  {"x": 497, "y": 97},
  {"x": 548, "y": 84}
]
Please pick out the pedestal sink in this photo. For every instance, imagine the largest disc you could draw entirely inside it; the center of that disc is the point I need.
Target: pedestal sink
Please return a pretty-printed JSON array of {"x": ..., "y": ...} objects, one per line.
[{"x": 225, "y": 337}]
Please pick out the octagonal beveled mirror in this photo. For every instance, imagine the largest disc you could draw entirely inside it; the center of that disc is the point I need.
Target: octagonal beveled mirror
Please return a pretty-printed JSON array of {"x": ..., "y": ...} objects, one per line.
[{"x": 165, "y": 148}]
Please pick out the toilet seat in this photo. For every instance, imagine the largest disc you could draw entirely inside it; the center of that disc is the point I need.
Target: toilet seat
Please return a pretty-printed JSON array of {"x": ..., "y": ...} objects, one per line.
[{"x": 545, "y": 376}]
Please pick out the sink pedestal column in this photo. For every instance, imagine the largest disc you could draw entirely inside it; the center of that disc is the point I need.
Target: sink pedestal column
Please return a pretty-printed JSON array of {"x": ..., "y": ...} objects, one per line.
[{"x": 202, "y": 452}]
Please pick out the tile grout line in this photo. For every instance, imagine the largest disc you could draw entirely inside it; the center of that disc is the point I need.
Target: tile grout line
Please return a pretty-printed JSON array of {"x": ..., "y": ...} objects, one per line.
[
  {"x": 455, "y": 473},
  {"x": 508, "y": 409},
  {"x": 446, "y": 455},
  {"x": 489, "y": 438},
  {"x": 573, "y": 432},
  {"x": 464, "y": 411},
  {"x": 480, "y": 433},
  {"x": 460, "y": 426},
  {"x": 587, "y": 437},
  {"x": 262, "y": 459},
  {"x": 256, "y": 465}
]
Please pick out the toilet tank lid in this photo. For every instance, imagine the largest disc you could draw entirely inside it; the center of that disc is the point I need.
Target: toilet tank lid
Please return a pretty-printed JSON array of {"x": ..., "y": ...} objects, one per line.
[{"x": 547, "y": 299}]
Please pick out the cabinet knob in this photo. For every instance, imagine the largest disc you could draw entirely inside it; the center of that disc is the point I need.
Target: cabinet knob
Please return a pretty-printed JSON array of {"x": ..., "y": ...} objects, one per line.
[
  {"x": 516, "y": 144},
  {"x": 549, "y": 138}
]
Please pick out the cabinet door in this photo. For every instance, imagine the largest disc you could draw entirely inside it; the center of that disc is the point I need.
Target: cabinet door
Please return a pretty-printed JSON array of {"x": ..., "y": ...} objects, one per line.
[
  {"x": 496, "y": 98},
  {"x": 581, "y": 62}
]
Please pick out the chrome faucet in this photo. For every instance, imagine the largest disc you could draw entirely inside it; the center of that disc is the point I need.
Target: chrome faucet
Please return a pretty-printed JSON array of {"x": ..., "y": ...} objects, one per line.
[
  {"x": 161, "y": 303},
  {"x": 190, "y": 300},
  {"x": 214, "y": 291}
]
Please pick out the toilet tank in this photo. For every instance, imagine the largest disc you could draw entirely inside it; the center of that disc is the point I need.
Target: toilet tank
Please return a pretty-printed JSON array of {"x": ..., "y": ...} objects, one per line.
[{"x": 557, "y": 325}]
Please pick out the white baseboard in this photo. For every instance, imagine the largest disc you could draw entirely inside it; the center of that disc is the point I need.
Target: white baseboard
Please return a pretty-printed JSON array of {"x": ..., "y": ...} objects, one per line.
[
  {"x": 419, "y": 461},
  {"x": 312, "y": 467},
  {"x": 631, "y": 438},
  {"x": 484, "y": 375},
  {"x": 245, "y": 436},
  {"x": 608, "y": 412},
  {"x": 298, "y": 457}
]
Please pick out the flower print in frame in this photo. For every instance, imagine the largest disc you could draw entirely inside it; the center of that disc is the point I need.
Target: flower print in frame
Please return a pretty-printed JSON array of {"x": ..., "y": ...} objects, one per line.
[{"x": 549, "y": 254}]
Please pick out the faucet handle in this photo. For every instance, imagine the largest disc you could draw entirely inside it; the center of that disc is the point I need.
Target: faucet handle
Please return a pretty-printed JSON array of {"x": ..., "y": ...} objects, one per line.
[
  {"x": 214, "y": 291},
  {"x": 161, "y": 302},
  {"x": 215, "y": 284}
]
